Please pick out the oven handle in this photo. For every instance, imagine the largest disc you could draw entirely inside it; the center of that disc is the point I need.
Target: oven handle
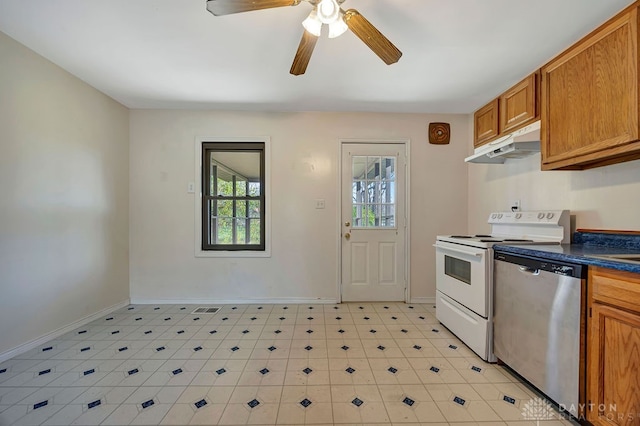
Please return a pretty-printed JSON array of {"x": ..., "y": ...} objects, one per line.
[{"x": 456, "y": 250}]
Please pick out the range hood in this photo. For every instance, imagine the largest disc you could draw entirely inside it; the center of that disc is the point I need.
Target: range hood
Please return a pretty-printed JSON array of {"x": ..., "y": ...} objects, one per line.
[{"x": 519, "y": 144}]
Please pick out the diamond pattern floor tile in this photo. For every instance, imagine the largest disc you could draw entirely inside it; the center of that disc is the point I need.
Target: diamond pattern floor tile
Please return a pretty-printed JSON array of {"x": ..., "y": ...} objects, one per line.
[{"x": 275, "y": 364}]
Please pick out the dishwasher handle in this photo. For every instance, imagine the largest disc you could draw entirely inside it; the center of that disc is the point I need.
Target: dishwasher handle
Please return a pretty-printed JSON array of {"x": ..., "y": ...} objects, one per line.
[{"x": 529, "y": 271}]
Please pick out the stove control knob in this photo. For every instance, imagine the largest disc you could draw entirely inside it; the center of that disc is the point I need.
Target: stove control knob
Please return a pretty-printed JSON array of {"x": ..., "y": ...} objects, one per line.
[
  {"x": 518, "y": 215},
  {"x": 493, "y": 216},
  {"x": 540, "y": 215},
  {"x": 500, "y": 216},
  {"x": 550, "y": 215}
]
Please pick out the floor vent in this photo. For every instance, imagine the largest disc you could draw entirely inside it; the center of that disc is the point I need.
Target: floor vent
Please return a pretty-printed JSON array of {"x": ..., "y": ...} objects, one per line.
[{"x": 205, "y": 310}]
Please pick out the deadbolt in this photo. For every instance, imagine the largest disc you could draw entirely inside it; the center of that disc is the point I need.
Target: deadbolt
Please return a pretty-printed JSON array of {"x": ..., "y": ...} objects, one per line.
[{"x": 347, "y": 224}]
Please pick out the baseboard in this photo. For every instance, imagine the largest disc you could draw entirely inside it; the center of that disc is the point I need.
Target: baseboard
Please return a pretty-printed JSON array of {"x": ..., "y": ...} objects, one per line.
[
  {"x": 427, "y": 300},
  {"x": 201, "y": 301},
  {"x": 292, "y": 300},
  {"x": 60, "y": 331}
]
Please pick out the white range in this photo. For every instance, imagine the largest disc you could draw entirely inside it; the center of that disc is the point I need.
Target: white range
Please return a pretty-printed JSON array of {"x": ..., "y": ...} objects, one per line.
[{"x": 464, "y": 271}]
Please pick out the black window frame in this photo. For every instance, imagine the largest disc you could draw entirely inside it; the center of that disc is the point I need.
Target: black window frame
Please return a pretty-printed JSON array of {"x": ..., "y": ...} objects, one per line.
[{"x": 206, "y": 197}]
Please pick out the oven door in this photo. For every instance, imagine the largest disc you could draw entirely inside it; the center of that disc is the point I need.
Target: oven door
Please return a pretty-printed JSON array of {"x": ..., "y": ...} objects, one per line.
[{"x": 463, "y": 274}]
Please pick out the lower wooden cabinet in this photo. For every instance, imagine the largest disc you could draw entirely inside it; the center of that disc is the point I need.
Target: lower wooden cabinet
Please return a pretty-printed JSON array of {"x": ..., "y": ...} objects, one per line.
[{"x": 613, "y": 358}]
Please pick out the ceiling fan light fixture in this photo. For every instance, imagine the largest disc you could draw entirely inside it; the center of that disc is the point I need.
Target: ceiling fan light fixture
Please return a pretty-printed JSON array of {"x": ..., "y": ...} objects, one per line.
[
  {"x": 328, "y": 11},
  {"x": 323, "y": 12},
  {"x": 312, "y": 24},
  {"x": 337, "y": 28}
]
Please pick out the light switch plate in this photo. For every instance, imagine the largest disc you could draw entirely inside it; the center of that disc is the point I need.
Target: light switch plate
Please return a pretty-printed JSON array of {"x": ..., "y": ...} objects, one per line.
[
  {"x": 319, "y": 204},
  {"x": 191, "y": 187}
]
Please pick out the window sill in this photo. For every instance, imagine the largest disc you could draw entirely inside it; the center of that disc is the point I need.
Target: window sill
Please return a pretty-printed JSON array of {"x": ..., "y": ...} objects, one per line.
[{"x": 232, "y": 254}]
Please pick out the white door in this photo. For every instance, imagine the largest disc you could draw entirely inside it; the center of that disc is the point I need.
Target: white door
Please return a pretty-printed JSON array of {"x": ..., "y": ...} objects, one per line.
[{"x": 373, "y": 222}]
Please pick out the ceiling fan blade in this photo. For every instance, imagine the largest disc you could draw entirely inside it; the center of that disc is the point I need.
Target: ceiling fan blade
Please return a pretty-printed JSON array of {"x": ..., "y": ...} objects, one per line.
[
  {"x": 227, "y": 7},
  {"x": 373, "y": 38},
  {"x": 303, "y": 55}
]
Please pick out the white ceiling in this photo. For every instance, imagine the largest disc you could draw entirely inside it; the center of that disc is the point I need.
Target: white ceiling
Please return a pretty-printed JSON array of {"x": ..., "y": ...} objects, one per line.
[{"x": 457, "y": 54}]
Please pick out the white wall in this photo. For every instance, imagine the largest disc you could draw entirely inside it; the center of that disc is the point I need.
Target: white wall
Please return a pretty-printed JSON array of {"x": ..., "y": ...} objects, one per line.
[
  {"x": 63, "y": 198},
  {"x": 601, "y": 198},
  {"x": 304, "y": 167}
]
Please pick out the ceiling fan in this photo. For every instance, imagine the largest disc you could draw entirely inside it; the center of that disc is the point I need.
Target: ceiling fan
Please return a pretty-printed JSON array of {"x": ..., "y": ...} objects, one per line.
[{"x": 324, "y": 12}]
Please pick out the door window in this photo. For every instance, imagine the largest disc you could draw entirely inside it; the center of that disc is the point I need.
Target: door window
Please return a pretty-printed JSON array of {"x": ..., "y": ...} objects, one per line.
[{"x": 373, "y": 192}]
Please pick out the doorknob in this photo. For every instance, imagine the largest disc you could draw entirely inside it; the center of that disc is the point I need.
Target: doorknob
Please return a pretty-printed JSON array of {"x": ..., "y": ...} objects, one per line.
[
  {"x": 347, "y": 224},
  {"x": 347, "y": 235}
]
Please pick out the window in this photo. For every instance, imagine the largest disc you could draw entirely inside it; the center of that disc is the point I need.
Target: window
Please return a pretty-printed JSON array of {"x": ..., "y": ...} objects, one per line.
[
  {"x": 233, "y": 196},
  {"x": 374, "y": 192}
]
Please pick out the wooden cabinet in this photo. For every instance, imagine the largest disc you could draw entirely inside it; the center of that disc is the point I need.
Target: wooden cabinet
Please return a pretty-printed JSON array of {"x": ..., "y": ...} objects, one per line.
[
  {"x": 613, "y": 358},
  {"x": 512, "y": 110},
  {"x": 519, "y": 105},
  {"x": 590, "y": 98},
  {"x": 486, "y": 123}
]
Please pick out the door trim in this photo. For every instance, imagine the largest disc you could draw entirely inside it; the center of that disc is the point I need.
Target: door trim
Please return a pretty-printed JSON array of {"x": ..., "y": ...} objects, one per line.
[{"x": 406, "y": 142}]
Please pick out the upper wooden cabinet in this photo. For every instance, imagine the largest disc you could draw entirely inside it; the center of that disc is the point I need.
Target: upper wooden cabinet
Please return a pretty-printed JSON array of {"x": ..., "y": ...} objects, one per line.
[
  {"x": 519, "y": 105},
  {"x": 590, "y": 98},
  {"x": 514, "y": 109},
  {"x": 486, "y": 123},
  {"x": 613, "y": 348}
]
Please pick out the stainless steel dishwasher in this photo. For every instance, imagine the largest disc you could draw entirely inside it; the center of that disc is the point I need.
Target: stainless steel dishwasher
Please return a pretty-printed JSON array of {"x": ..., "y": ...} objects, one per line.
[{"x": 540, "y": 323}]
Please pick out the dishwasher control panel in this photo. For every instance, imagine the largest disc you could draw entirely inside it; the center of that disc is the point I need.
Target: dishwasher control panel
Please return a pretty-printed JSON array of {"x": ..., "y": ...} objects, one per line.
[
  {"x": 532, "y": 264},
  {"x": 562, "y": 269}
]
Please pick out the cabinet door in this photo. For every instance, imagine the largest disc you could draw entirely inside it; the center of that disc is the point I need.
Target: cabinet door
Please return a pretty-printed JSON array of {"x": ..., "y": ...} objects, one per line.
[
  {"x": 518, "y": 106},
  {"x": 613, "y": 348},
  {"x": 590, "y": 98},
  {"x": 486, "y": 123},
  {"x": 614, "y": 367}
]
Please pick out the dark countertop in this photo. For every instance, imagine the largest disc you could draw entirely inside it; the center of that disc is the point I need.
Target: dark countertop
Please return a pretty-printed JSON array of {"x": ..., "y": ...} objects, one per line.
[{"x": 576, "y": 253}]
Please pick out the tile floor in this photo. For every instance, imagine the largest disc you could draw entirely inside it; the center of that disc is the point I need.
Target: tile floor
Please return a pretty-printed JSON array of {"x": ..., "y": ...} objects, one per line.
[{"x": 356, "y": 363}]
